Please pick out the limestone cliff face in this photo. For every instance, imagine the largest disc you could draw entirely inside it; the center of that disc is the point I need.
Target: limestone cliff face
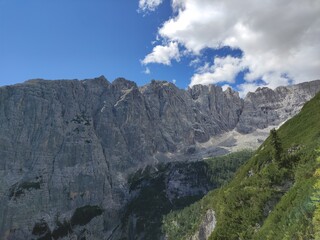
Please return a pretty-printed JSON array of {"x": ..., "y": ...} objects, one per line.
[
  {"x": 267, "y": 107},
  {"x": 67, "y": 147},
  {"x": 217, "y": 111}
]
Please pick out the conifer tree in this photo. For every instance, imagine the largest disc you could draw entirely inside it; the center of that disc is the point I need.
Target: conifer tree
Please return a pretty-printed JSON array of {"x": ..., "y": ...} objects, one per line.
[{"x": 277, "y": 146}]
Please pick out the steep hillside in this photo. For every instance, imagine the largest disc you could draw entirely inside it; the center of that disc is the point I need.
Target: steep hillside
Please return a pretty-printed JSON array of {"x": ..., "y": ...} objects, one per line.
[{"x": 275, "y": 195}]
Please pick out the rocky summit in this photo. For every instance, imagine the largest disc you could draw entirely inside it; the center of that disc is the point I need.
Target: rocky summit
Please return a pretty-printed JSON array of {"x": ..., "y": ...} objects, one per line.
[{"x": 68, "y": 147}]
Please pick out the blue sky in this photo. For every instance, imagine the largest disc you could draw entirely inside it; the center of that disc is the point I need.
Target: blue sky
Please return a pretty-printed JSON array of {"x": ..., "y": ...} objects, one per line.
[
  {"x": 185, "y": 41},
  {"x": 64, "y": 39}
]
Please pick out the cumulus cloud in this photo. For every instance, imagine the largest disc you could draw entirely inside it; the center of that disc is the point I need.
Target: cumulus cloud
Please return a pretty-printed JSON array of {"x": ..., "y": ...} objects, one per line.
[
  {"x": 223, "y": 70},
  {"x": 163, "y": 54},
  {"x": 149, "y": 5},
  {"x": 279, "y": 39},
  {"x": 195, "y": 62}
]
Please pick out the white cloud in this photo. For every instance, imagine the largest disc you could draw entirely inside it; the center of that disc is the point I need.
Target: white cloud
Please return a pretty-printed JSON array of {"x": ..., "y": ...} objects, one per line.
[
  {"x": 277, "y": 38},
  {"x": 195, "y": 62},
  {"x": 223, "y": 70},
  {"x": 163, "y": 54},
  {"x": 149, "y": 5},
  {"x": 147, "y": 71},
  {"x": 174, "y": 81}
]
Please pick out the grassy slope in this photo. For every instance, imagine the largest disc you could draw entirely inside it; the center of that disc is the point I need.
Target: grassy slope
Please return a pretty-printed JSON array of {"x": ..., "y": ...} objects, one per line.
[{"x": 264, "y": 201}]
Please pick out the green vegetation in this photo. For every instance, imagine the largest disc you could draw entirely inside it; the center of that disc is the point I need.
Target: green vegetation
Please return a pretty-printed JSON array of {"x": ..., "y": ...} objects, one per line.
[
  {"x": 42, "y": 230},
  {"x": 81, "y": 119},
  {"x": 83, "y": 215},
  {"x": 315, "y": 201},
  {"x": 221, "y": 169},
  {"x": 80, "y": 217},
  {"x": 19, "y": 188},
  {"x": 275, "y": 195},
  {"x": 61, "y": 230},
  {"x": 277, "y": 148},
  {"x": 152, "y": 202}
]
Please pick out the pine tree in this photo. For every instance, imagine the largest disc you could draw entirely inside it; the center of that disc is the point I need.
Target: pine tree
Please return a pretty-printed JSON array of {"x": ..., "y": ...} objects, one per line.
[{"x": 277, "y": 147}]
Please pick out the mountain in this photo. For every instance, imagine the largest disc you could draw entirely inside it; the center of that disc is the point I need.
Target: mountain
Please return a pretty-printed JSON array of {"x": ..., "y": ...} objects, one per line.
[
  {"x": 68, "y": 148},
  {"x": 275, "y": 195}
]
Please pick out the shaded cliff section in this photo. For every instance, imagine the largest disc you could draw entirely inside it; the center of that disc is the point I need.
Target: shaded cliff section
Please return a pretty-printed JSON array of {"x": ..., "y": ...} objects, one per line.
[{"x": 69, "y": 145}]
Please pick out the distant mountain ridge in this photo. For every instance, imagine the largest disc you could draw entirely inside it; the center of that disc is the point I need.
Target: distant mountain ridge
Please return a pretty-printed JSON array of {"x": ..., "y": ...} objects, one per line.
[{"x": 66, "y": 144}]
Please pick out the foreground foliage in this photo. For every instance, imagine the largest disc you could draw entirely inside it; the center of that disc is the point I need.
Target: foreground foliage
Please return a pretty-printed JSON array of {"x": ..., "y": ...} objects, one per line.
[{"x": 275, "y": 195}]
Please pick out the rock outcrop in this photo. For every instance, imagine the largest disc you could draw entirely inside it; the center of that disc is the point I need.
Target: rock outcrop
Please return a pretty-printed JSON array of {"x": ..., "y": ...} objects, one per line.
[
  {"x": 67, "y": 147},
  {"x": 207, "y": 226}
]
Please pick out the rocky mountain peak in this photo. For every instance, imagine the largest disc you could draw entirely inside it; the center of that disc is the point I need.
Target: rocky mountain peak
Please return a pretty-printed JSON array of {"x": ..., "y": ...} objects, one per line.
[
  {"x": 158, "y": 85},
  {"x": 231, "y": 93},
  {"x": 197, "y": 90},
  {"x": 263, "y": 89},
  {"x": 123, "y": 84},
  {"x": 99, "y": 80}
]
